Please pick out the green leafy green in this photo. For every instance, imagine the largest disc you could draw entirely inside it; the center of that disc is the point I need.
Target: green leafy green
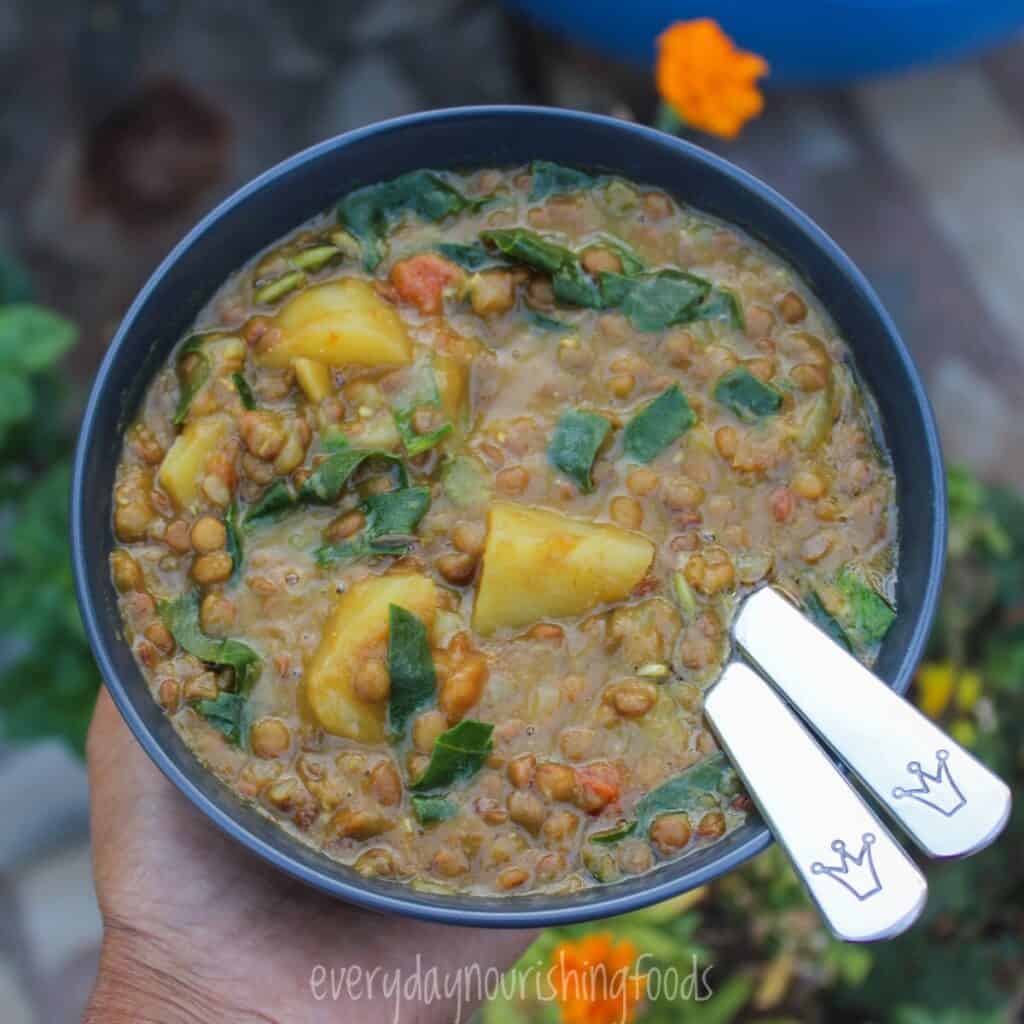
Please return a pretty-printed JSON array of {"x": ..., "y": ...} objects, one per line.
[
  {"x": 244, "y": 391},
  {"x": 459, "y": 753},
  {"x": 369, "y": 213},
  {"x": 657, "y": 425},
  {"x": 226, "y": 714},
  {"x": 234, "y": 545},
  {"x": 575, "y": 443},
  {"x": 391, "y": 521},
  {"x": 181, "y": 616},
  {"x": 819, "y": 615},
  {"x": 549, "y": 179},
  {"x": 654, "y": 301},
  {"x": 410, "y": 666},
  {"x": 529, "y": 248},
  {"x": 471, "y": 256},
  {"x": 749, "y": 398},
  {"x": 194, "y": 370},
  {"x": 275, "y": 500},
  {"x": 466, "y": 482},
  {"x": 720, "y": 305},
  {"x": 572, "y": 284},
  {"x": 421, "y": 392},
  {"x": 631, "y": 262},
  {"x": 545, "y": 322},
  {"x": 686, "y": 791},
  {"x": 429, "y": 810},
  {"x": 328, "y": 480},
  {"x": 866, "y": 615},
  {"x": 614, "y": 834}
]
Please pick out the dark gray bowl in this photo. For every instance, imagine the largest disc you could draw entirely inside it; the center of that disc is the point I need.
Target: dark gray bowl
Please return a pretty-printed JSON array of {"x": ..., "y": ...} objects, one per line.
[{"x": 480, "y": 136}]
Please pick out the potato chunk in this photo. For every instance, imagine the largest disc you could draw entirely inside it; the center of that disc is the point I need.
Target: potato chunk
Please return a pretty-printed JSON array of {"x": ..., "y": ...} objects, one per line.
[
  {"x": 452, "y": 378},
  {"x": 182, "y": 470},
  {"x": 314, "y": 378},
  {"x": 541, "y": 565},
  {"x": 339, "y": 323},
  {"x": 357, "y": 629}
]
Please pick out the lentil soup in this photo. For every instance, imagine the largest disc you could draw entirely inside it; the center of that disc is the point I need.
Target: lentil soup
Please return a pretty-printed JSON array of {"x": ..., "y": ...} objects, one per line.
[{"x": 431, "y": 530}]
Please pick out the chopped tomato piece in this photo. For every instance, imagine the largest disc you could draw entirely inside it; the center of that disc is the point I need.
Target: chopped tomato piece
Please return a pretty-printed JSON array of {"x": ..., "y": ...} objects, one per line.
[
  {"x": 598, "y": 786},
  {"x": 421, "y": 280}
]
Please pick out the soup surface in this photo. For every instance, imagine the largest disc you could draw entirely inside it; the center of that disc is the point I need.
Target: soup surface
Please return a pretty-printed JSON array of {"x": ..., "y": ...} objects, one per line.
[{"x": 431, "y": 530}]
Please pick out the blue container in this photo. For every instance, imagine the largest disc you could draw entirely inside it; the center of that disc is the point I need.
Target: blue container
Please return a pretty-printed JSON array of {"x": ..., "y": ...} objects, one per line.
[
  {"x": 482, "y": 136},
  {"x": 819, "y": 41}
]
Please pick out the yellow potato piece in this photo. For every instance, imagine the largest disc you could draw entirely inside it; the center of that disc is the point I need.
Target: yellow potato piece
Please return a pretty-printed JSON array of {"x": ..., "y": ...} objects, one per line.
[
  {"x": 539, "y": 564},
  {"x": 452, "y": 378},
  {"x": 339, "y": 323},
  {"x": 182, "y": 470},
  {"x": 314, "y": 378},
  {"x": 357, "y": 628}
]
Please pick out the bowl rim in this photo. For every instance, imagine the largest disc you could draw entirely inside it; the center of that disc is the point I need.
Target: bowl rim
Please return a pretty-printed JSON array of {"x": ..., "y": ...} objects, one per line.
[{"x": 509, "y": 915}]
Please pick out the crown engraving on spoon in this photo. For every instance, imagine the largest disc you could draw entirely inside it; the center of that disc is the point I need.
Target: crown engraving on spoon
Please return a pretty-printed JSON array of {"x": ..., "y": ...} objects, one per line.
[
  {"x": 939, "y": 791},
  {"x": 855, "y": 872}
]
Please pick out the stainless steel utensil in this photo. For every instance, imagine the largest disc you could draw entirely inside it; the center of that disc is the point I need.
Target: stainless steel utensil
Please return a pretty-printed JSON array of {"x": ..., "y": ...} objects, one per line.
[{"x": 948, "y": 802}]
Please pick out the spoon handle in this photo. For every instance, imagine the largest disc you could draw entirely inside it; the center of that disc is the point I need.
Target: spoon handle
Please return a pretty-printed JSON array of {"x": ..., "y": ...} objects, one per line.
[
  {"x": 948, "y": 802},
  {"x": 864, "y": 884}
]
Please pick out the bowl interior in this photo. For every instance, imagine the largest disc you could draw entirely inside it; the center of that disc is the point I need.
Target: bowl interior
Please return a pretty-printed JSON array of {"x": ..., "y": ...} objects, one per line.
[{"x": 302, "y": 186}]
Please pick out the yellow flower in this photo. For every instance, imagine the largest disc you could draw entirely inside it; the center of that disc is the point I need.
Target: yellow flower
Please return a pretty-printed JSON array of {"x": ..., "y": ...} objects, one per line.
[
  {"x": 968, "y": 690},
  {"x": 935, "y": 684},
  {"x": 708, "y": 83},
  {"x": 595, "y": 980},
  {"x": 963, "y": 732}
]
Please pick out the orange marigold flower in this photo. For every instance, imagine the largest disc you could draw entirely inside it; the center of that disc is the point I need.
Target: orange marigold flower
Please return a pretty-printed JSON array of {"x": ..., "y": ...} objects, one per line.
[
  {"x": 709, "y": 83},
  {"x": 595, "y": 980}
]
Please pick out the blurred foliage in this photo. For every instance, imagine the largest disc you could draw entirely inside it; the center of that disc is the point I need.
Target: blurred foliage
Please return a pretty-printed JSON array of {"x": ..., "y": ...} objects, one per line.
[
  {"x": 963, "y": 963},
  {"x": 767, "y": 957},
  {"x": 48, "y": 680}
]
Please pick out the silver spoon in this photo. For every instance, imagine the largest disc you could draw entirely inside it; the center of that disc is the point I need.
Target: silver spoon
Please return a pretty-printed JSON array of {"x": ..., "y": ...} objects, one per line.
[
  {"x": 864, "y": 884},
  {"x": 949, "y": 803}
]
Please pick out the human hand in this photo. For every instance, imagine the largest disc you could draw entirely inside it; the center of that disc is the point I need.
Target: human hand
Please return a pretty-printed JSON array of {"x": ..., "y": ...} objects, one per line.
[{"x": 196, "y": 929}]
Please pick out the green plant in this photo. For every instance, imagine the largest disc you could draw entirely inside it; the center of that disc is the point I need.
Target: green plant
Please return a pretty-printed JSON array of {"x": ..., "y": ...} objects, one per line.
[{"x": 48, "y": 680}]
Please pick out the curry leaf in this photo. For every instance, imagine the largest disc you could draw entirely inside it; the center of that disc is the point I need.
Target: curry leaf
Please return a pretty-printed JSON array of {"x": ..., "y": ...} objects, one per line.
[
  {"x": 193, "y": 372},
  {"x": 748, "y": 397},
  {"x": 277, "y": 498},
  {"x": 657, "y": 425},
  {"x": 429, "y": 810},
  {"x": 181, "y": 617},
  {"x": 32, "y": 338},
  {"x": 226, "y": 714},
  {"x": 244, "y": 391},
  {"x": 549, "y": 179},
  {"x": 410, "y": 666},
  {"x": 575, "y": 443},
  {"x": 458, "y": 754},
  {"x": 370, "y": 212}
]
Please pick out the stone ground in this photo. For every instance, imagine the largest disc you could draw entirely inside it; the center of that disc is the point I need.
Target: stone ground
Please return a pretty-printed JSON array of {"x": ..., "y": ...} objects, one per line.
[{"x": 123, "y": 121}]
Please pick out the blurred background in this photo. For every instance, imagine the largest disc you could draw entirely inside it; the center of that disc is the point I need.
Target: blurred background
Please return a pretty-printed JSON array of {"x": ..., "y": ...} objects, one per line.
[{"x": 898, "y": 126}]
